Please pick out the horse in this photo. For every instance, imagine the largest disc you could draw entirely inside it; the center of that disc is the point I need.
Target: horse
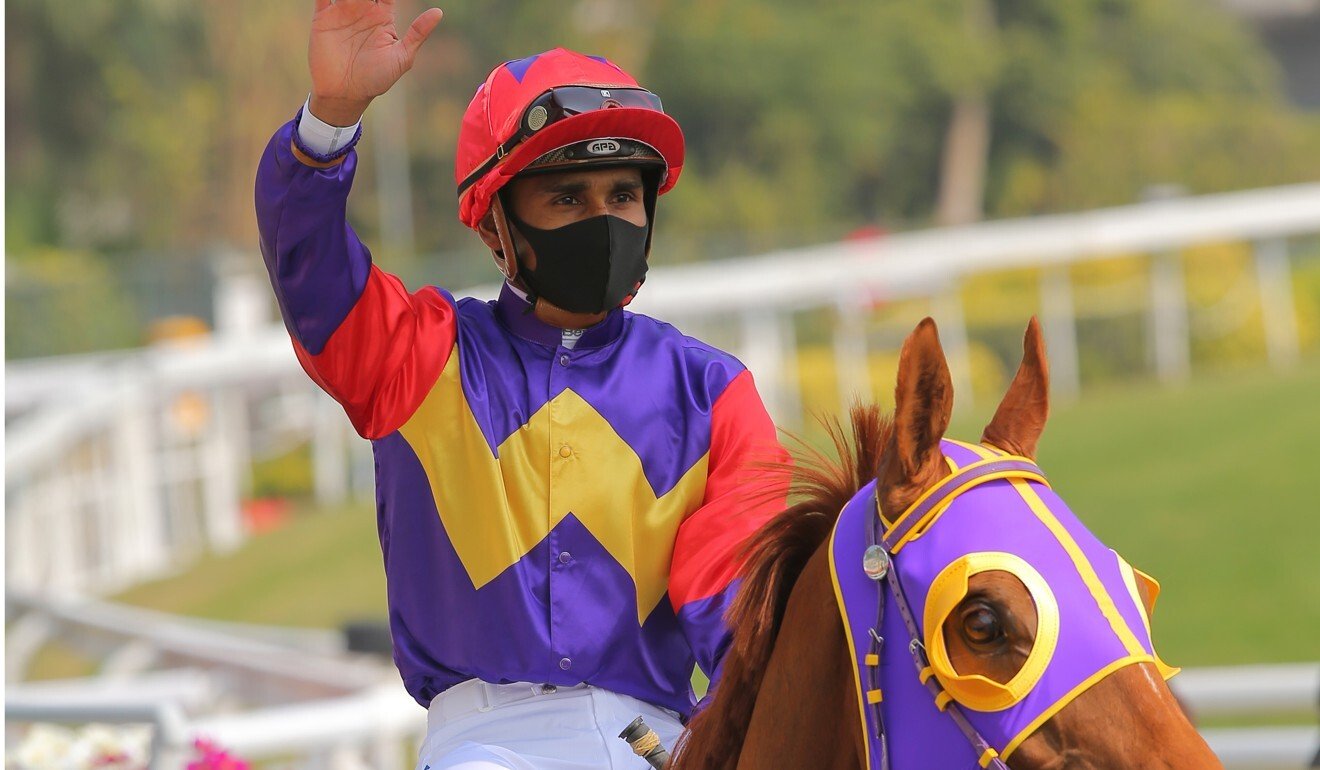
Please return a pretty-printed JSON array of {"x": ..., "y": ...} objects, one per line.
[{"x": 1020, "y": 640}]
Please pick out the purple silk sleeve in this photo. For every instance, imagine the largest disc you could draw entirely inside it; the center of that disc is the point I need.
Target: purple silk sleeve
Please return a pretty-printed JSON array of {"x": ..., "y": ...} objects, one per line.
[
  {"x": 317, "y": 264},
  {"x": 708, "y": 633}
]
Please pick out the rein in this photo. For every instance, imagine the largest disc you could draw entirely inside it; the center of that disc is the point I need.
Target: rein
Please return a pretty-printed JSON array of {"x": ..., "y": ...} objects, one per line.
[{"x": 882, "y": 547}]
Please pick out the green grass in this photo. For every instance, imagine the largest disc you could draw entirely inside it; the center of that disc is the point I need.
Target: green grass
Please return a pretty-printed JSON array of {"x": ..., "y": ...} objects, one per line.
[
  {"x": 56, "y": 659},
  {"x": 322, "y": 569},
  {"x": 1210, "y": 487}
]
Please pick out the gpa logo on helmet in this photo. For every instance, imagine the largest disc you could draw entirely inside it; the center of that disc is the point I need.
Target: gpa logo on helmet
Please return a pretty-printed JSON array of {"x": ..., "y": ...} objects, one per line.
[{"x": 603, "y": 147}]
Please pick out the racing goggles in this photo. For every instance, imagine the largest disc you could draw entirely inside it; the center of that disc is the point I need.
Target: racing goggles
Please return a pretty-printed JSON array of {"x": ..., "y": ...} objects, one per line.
[{"x": 556, "y": 105}]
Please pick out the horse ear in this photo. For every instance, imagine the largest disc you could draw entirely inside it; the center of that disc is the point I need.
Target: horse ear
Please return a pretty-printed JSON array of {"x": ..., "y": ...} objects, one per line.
[
  {"x": 923, "y": 403},
  {"x": 1021, "y": 416}
]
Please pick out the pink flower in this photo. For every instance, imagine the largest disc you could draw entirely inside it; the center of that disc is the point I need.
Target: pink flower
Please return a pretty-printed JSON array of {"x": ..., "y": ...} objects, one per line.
[{"x": 215, "y": 758}]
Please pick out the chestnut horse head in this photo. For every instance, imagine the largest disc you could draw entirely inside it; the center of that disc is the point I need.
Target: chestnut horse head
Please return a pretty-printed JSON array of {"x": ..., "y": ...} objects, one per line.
[{"x": 989, "y": 629}]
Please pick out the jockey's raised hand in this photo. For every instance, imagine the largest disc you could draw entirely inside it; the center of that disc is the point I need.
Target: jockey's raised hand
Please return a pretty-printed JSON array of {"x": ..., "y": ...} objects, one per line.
[{"x": 355, "y": 54}]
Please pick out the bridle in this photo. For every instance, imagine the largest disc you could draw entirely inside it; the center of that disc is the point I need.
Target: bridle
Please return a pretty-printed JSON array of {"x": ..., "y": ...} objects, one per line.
[{"x": 877, "y": 562}]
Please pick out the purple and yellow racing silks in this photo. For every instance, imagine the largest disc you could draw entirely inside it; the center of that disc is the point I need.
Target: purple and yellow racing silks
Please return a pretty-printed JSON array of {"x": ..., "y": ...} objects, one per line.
[{"x": 546, "y": 514}]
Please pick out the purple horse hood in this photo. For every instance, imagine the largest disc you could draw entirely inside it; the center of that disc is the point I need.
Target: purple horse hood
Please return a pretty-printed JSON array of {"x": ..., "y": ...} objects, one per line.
[{"x": 1091, "y": 621}]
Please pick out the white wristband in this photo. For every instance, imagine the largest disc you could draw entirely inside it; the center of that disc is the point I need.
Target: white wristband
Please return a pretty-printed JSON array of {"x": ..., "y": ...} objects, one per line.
[{"x": 319, "y": 136}]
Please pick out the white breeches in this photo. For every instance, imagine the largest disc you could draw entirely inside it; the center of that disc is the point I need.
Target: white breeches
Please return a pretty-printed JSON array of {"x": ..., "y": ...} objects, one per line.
[{"x": 479, "y": 726}]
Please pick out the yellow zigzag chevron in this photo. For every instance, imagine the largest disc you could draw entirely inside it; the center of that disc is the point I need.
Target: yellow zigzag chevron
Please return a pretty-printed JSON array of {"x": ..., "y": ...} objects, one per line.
[{"x": 497, "y": 509}]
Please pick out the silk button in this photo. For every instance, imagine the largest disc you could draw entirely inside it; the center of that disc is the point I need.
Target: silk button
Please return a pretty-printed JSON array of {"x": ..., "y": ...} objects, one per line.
[
  {"x": 565, "y": 451},
  {"x": 565, "y": 557},
  {"x": 563, "y": 360},
  {"x": 565, "y": 664}
]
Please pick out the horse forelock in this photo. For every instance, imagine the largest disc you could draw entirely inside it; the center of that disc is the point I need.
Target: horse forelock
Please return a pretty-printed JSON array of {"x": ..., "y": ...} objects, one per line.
[{"x": 773, "y": 560}]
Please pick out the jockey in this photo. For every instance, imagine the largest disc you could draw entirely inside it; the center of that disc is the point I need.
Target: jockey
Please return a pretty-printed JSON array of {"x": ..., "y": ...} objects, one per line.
[{"x": 563, "y": 487}]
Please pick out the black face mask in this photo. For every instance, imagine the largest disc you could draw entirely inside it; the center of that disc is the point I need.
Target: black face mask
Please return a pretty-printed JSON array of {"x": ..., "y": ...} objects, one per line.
[{"x": 589, "y": 266}]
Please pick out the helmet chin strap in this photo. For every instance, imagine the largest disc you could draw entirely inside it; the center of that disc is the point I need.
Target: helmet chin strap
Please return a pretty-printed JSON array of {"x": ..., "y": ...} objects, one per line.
[
  {"x": 508, "y": 263},
  {"x": 506, "y": 258}
]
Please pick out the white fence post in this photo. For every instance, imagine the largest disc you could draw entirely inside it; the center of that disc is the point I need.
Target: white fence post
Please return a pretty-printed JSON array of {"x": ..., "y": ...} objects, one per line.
[
  {"x": 947, "y": 308},
  {"x": 142, "y": 549},
  {"x": 23, "y": 561},
  {"x": 104, "y": 491},
  {"x": 1274, "y": 276},
  {"x": 1059, "y": 324},
  {"x": 64, "y": 541},
  {"x": 330, "y": 460},
  {"x": 220, "y": 480},
  {"x": 764, "y": 352},
  {"x": 1169, "y": 332},
  {"x": 851, "y": 358}
]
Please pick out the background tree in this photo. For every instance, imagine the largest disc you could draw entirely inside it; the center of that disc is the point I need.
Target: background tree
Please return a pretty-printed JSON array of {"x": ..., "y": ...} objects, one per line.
[{"x": 134, "y": 127}]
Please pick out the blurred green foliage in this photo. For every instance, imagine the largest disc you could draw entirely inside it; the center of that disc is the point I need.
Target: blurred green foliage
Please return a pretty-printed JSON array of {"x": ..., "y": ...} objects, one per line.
[
  {"x": 66, "y": 300},
  {"x": 134, "y": 127},
  {"x": 284, "y": 475}
]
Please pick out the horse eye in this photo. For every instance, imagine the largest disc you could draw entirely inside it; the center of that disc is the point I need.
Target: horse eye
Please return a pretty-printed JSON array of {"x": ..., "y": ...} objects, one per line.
[{"x": 981, "y": 625}]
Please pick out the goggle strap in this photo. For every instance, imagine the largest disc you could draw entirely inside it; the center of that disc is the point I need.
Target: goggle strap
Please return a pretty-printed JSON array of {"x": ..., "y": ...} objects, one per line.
[
  {"x": 506, "y": 147},
  {"x": 500, "y": 153}
]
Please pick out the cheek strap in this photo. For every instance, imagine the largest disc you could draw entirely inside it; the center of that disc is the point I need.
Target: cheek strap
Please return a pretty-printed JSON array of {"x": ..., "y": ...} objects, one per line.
[{"x": 507, "y": 257}]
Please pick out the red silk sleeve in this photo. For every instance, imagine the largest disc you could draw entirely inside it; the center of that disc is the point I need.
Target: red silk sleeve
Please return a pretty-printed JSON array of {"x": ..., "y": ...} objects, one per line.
[
  {"x": 385, "y": 356},
  {"x": 736, "y": 502}
]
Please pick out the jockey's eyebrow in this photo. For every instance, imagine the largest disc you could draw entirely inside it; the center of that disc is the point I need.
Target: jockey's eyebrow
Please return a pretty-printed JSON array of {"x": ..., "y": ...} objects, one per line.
[
  {"x": 566, "y": 187},
  {"x": 578, "y": 185}
]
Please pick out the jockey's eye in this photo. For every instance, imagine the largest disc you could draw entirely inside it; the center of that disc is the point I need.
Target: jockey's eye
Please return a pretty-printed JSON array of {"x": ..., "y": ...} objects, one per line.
[{"x": 981, "y": 625}]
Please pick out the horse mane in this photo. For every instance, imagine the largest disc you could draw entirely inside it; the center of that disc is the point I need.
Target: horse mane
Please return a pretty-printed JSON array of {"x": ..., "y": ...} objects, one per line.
[{"x": 774, "y": 558}]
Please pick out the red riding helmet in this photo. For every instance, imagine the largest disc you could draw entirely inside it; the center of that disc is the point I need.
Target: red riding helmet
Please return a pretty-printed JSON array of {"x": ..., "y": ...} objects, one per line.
[{"x": 584, "y": 107}]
